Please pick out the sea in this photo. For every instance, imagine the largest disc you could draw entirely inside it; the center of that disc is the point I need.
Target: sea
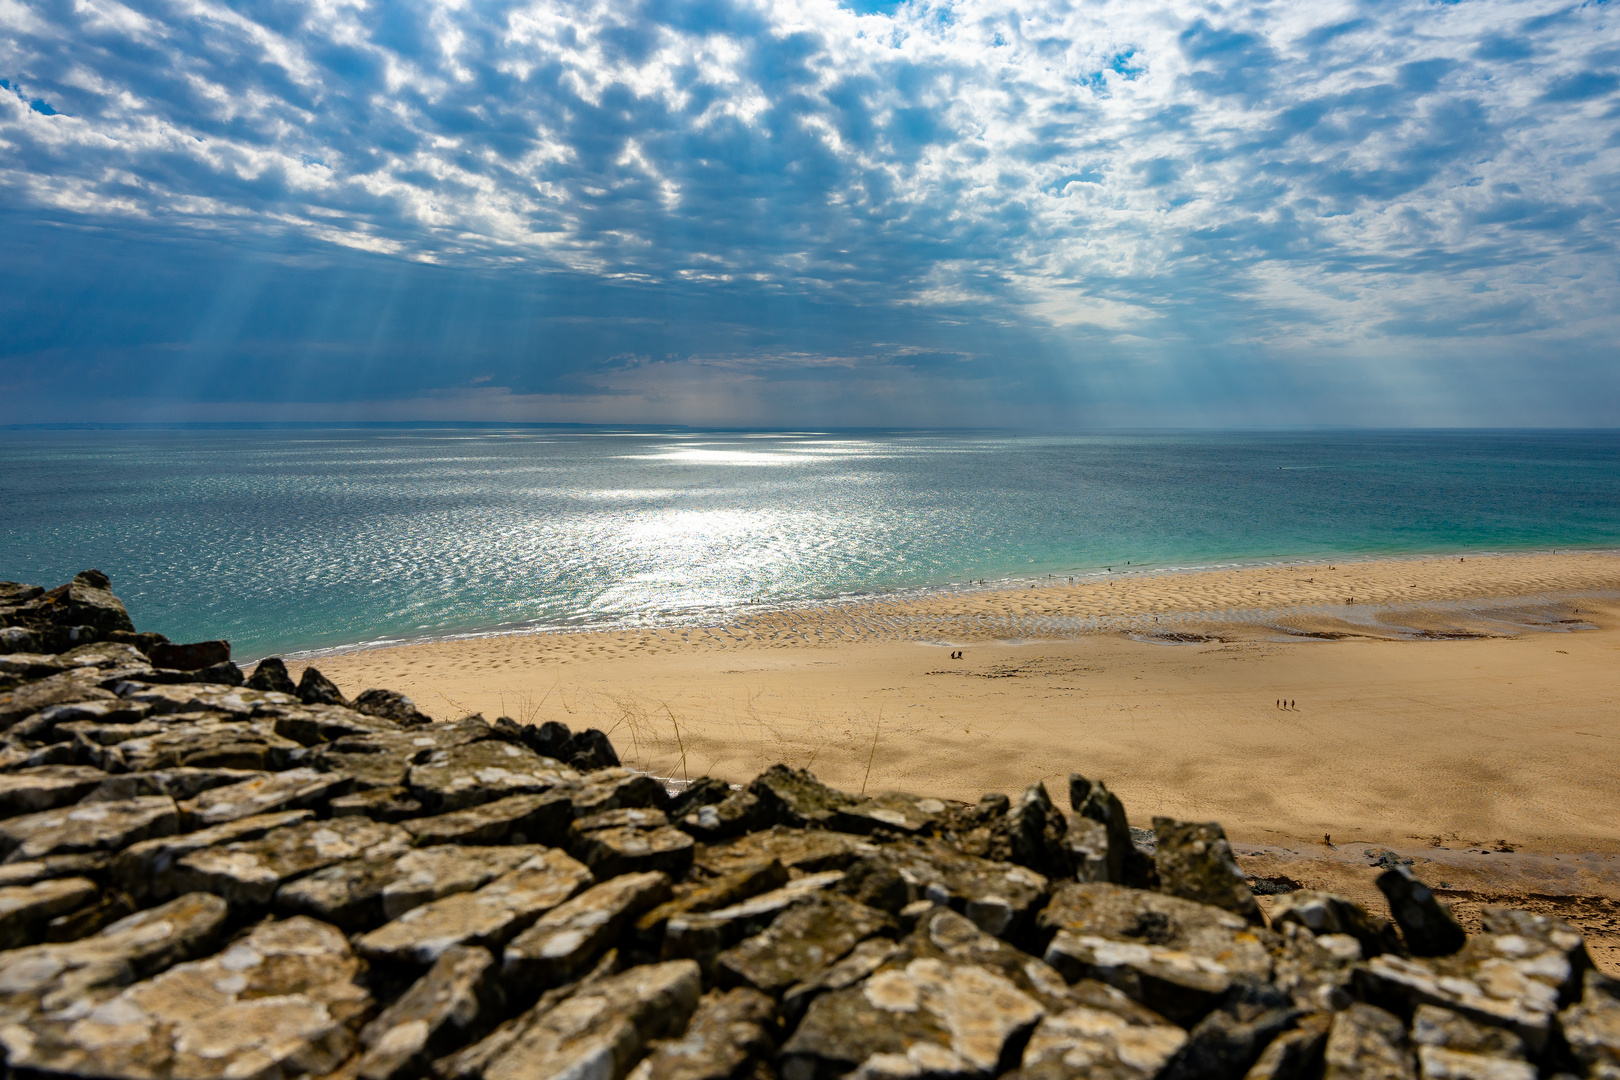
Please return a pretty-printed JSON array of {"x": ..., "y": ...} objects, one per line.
[{"x": 293, "y": 540}]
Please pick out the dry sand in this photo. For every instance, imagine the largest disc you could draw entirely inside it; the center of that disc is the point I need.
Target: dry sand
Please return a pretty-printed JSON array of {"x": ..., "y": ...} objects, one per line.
[{"x": 1456, "y": 708}]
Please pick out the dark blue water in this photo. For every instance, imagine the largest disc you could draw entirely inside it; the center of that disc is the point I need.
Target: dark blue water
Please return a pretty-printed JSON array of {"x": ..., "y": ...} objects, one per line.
[{"x": 299, "y": 539}]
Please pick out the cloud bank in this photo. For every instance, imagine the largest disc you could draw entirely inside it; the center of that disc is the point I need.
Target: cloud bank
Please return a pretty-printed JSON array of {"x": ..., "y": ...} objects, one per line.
[{"x": 800, "y": 211}]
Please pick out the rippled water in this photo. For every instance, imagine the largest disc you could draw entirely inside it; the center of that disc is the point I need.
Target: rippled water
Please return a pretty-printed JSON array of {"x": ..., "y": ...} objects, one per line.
[{"x": 297, "y": 539}]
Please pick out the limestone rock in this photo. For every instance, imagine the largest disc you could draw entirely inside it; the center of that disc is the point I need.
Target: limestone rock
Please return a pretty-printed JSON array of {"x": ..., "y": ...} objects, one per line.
[
  {"x": 311, "y": 725},
  {"x": 392, "y": 804},
  {"x": 1367, "y": 1043},
  {"x": 999, "y": 897},
  {"x": 805, "y": 937},
  {"x": 92, "y": 827},
  {"x": 704, "y": 791},
  {"x": 295, "y": 789},
  {"x": 55, "y": 866},
  {"x": 282, "y": 1001},
  {"x": 392, "y": 705},
  {"x": 1452, "y": 1047},
  {"x": 1426, "y": 923},
  {"x": 146, "y": 870},
  {"x": 600, "y": 1031},
  {"x": 926, "y": 1018},
  {"x": 32, "y": 790},
  {"x": 193, "y": 657},
  {"x": 795, "y": 797},
  {"x": 70, "y": 687},
  {"x": 1516, "y": 975},
  {"x": 615, "y": 789},
  {"x": 316, "y": 689},
  {"x": 1296, "y": 1054},
  {"x": 17, "y": 667},
  {"x": 235, "y": 702},
  {"x": 565, "y": 941},
  {"x": 202, "y": 741},
  {"x": 1195, "y": 862},
  {"x": 456, "y": 1001},
  {"x": 894, "y": 811},
  {"x": 728, "y": 1033},
  {"x": 859, "y": 963},
  {"x": 25, "y": 909},
  {"x": 703, "y": 936},
  {"x": 710, "y": 894},
  {"x": 481, "y": 772},
  {"x": 1086, "y": 842},
  {"x": 271, "y": 674},
  {"x": 1099, "y": 1043},
  {"x": 90, "y": 919},
  {"x": 734, "y": 815},
  {"x": 590, "y": 750},
  {"x": 1035, "y": 834},
  {"x": 1092, "y": 799},
  {"x": 518, "y": 819},
  {"x": 488, "y": 917},
  {"x": 66, "y": 976},
  {"x": 1327, "y": 913},
  {"x": 1228, "y": 1041},
  {"x": 248, "y": 872},
  {"x": 81, "y": 602},
  {"x": 630, "y": 841},
  {"x": 349, "y": 894},
  {"x": 179, "y": 784},
  {"x": 1592, "y": 1029},
  {"x": 428, "y": 873}
]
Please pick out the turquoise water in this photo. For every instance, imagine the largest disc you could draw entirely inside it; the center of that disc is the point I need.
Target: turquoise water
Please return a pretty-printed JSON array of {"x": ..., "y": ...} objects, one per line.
[{"x": 284, "y": 540}]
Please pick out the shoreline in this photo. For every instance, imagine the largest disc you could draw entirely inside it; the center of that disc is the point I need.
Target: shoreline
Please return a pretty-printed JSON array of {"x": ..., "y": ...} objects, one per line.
[{"x": 750, "y": 612}]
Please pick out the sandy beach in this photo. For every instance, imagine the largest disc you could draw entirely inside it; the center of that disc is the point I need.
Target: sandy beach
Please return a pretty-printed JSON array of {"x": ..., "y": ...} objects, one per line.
[{"x": 1457, "y": 708}]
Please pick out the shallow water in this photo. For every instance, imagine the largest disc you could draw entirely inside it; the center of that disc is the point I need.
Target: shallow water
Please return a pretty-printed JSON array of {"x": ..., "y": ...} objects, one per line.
[{"x": 282, "y": 540}]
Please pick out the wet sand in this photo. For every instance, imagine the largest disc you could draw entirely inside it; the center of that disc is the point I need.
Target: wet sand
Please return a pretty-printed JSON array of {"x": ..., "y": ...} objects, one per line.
[{"x": 1463, "y": 706}]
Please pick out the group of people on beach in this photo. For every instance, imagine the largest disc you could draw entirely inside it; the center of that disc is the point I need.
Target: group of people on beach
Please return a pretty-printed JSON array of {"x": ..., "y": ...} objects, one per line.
[{"x": 1285, "y": 703}]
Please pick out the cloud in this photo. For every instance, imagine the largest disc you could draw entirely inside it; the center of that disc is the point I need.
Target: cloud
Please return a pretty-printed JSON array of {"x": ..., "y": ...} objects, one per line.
[{"x": 1064, "y": 184}]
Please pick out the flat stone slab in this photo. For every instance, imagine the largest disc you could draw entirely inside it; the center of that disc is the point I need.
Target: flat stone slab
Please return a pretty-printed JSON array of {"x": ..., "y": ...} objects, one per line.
[
  {"x": 295, "y": 789},
  {"x": 809, "y": 851},
  {"x": 179, "y": 784},
  {"x": 47, "y": 787},
  {"x": 202, "y": 740},
  {"x": 362, "y": 893},
  {"x": 808, "y": 936},
  {"x": 565, "y": 941},
  {"x": 63, "y": 976},
  {"x": 146, "y": 871},
  {"x": 600, "y": 1030},
  {"x": 710, "y": 894},
  {"x": 426, "y": 874},
  {"x": 93, "y": 827},
  {"x": 518, "y": 819},
  {"x": 1195, "y": 862},
  {"x": 25, "y": 909},
  {"x": 727, "y": 1034},
  {"x": 481, "y": 772},
  {"x": 703, "y": 936},
  {"x": 1001, "y": 898},
  {"x": 235, "y": 701},
  {"x": 487, "y": 917},
  {"x": 789, "y": 796},
  {"x": 1367, "y": 1042},
  {"x": 894, "y": 811},
  {"x": 454, "y": 1002},
  {"x": 80, "y": 684},
  {"x": 1085, "y": 1041},
  {"x": 248, "y": 872},
  {"x": 281, "y": 1001},
  {"x": 615, "y": 789},
  {"x": 630, "y": 841},
  {"x": 392, "y": 804}
]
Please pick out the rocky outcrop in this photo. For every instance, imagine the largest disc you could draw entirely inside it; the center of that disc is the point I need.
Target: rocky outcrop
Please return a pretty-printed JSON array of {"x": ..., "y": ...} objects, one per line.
[{"x": 206, "y": 880}]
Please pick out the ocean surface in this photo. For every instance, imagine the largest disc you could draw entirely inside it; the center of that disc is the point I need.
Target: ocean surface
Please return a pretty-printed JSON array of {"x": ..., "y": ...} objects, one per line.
[{"x": 303, "y": 539}]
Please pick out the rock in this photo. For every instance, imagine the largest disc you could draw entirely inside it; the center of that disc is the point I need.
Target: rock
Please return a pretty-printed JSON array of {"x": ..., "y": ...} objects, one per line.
[
  {"x": 893, "y": 811},
  {"x": 519, "y": 819},
  {"x": 56, "y": 866},
  {"x": 91, "y": 919},
  {"x": 392, "y": 804},
  {"x": 70, "y": 975},
  {"x": 1367, "y": 1043},
  {"x": 999, "y": 897},
  {"x": 1426, "y": 923},
  {"x": 1035, "y": 835},
  {"x": 455, "y": 1002},
  {"x": 806, "y": 850},
  {"x": 734, "y": 815},
  {"x": 704, "y": 791},
  {"x": 1516, "y": 975},
  {"x": 590, "y": 750},
  {"x": 565, "y": 941},
  {"x": 703, "y": 936},
  {"x": 271, "y": 674},
  {"x": 807, "y": 936},
  {"x": 925, "y": 1018},
  {"x": 147, "y": 870},
  {"x": 295, "y": 789},
  {"x": 316, "y": 689},
  {"x": 248, "y": 872},
  {"x": 481, "y": 772},
  {"x": 796, "y": 798},
  {"x": 226, "y": 674},
  {"x": 81, "y": 603},
  {"x": 282, "y": 1001},
  {"x": 1090, "y": 1042},
  {"x": 1086, "y": 842},
  {"x": 1316, "y": 971},
  {"x": 728, "y": 1033},
  {"x": 349, "y": 894},
  {"x": 93, "y": 827},
  {"x": 1195, "y": 862},
  {"x": 392, "y": 705},
  {"x": 859, "y": 963},
  {"x": 384, "y": 758},
  {"x": 1326, "y": 913},
  {"x": 106, "y": 655},
  {"x": 1592, "y": 1029},
  {"x": 489, "y": 917},
  {"x": 32, "y": 790},
  {"x": 616, "y": 789},
  {"x": 601, "y": 1030},
  {"x": 549, "y": 739},
  {"x": 1452, "y": 1047},
  {"x": 193, "y": 657},
  {"x": 180, "y": 784},
  {"x": 311, "y": 725},
  {"x": 630, "y": 841},
  {"x": 1092, "y": 799},
  {"x": 1296, "y": 1054},
  {"x": 710, "y": 894},
  {"x": 1175, "y": 956},
  {"x": 17, "y": 667},
  {"x": 70, "y": 687},
  {"x": 25, "y": 909},
  {"x": 428, "y": 873},
  {"x": 201, "y": 741},
  {"x": 17, "y": 639},
  {"x": 237, "y": 703},
  {"x": 1227, "y": 1042}
]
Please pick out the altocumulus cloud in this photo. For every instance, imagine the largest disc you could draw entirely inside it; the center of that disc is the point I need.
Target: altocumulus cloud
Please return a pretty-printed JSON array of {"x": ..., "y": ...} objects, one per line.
[{"x": 800, "y": 211}]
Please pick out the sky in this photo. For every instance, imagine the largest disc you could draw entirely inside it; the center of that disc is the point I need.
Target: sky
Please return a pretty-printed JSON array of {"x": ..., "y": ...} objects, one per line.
[{"x": 804, "y": 213}]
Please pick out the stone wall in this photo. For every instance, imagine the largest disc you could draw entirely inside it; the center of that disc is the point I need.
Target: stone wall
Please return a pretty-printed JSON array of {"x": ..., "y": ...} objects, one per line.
[{"x": 210, "y": 877}]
